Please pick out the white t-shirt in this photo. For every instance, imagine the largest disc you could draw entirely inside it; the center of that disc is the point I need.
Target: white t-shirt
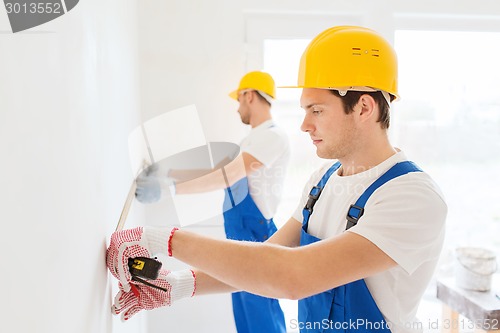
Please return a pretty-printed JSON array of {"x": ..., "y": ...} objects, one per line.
[
  {"x": 268, "y": 144},
  {"x": 405, "y": 218}
]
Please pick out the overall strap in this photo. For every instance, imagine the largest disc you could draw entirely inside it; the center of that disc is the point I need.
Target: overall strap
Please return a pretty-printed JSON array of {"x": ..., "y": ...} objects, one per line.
[
  {"x": 316, "y": 192},
  {"x": 356, "y": 211}
]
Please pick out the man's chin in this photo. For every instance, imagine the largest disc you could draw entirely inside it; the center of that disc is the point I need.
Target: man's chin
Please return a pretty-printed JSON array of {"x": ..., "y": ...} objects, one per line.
[
  {"x": 323, "y": 154},
  {"x": 320, "y": 153}
]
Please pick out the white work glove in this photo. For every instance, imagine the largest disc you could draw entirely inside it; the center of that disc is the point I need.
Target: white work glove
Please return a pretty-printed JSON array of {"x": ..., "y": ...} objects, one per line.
[
  {"x": 179, "y": 284},
  {"x": 133, "y": 243},
  {"x": 150, "y": 182},
  {"x": 148, "y": 188}
]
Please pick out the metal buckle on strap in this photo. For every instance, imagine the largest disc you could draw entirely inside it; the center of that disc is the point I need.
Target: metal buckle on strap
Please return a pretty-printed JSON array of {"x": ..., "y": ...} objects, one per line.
[
  {"x": 352, "y": 220},
  {"x": 313, "y": 197}
]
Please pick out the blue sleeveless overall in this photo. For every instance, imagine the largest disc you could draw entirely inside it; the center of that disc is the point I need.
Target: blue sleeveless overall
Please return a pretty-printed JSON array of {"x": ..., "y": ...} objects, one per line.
[
  {"x": 244, "y": 221},
  {"x": 351, "y": 307}
]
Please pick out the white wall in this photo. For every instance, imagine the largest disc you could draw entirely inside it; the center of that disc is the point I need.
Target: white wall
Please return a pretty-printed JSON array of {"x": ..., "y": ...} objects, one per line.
[{"x": 69, "y": 97}]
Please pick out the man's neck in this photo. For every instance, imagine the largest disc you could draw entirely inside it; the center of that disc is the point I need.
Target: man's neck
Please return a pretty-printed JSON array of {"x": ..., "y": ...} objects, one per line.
[
  {"x": 366, "y": 159},
  {"x": 259, "y": 116}
]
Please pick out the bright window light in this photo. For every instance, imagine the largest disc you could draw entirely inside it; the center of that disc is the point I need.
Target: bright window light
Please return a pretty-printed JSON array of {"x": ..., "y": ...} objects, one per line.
[{"x": 448, "y": 121}]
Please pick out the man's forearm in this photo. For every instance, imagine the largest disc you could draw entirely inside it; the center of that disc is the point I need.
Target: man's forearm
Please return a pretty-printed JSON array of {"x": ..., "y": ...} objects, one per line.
[
  {"x": 216, "y": 180},
  {"x": 182, "y": 175},
  {"x": 206, "y": 285},
  {"x": 222, "y": 259},
  {"x": 277, "y": 271},
  {"x": 188, "y": 174}
]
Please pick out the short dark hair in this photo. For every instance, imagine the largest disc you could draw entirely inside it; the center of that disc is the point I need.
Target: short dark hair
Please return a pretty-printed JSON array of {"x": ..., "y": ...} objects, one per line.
[
  {"x": 352, "y": 97},
  {"x": 259, "y": 96}
]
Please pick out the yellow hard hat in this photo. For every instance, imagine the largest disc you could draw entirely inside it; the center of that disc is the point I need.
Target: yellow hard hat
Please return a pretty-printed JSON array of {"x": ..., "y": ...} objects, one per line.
[
  {"x": 349, "y": 58},
  {"x": 256, "y": 80}
]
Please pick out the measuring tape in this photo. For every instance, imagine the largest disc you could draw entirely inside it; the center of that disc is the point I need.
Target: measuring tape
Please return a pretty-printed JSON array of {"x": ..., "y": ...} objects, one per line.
[{"x": 140, "y": 268}]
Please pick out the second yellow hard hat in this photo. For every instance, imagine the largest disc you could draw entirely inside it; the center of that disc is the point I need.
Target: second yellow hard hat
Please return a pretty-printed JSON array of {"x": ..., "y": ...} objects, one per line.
[{"x": 256, "y": 80}]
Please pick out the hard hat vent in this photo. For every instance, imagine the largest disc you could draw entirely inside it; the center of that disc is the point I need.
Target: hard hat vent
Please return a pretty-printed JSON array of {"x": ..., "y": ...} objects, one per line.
[{"x": 356, "y": 51}]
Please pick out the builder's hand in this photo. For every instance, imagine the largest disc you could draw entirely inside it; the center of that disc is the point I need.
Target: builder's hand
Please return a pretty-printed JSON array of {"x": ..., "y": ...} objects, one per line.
[
  {"x": 132, "y": 243},
  {"x": 149, "y": 185},
  {"x": 179, "y": 284}
]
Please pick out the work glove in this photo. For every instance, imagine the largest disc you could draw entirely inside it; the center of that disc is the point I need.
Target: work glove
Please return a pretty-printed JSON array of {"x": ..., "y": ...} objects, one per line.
[
  {"x": 148, "y": 188},
  {"x": 133, "y": 243},
  {"x": 178, "y": 284}
]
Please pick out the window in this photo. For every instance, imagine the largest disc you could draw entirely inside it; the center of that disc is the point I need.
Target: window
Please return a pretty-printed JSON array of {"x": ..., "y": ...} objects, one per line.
[{"x": 449, "y": 121}]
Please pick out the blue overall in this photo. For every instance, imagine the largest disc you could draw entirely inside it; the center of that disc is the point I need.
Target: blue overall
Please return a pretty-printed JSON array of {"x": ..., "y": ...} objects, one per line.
[
  {"x": 351, "y": 307},
  {"x": 244, "y": 221}
]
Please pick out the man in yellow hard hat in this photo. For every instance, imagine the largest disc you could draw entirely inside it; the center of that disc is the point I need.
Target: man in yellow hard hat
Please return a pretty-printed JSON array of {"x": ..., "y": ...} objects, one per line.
[
  {"x": 251, "y": 202},
  {"x": 252, "y": 183},
  {"x": 364, "y": 241}
]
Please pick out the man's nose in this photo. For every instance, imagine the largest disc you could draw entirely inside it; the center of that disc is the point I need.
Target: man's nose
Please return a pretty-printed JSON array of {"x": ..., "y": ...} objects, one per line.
[{"x": 306, "y": 125}]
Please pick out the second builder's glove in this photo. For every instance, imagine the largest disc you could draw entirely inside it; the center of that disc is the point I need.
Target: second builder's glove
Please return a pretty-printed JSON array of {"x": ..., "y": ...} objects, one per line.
[
  {"x": 148, "y": 186},
  {"x": 151, "y": 181},
  {"x": 177, "y": 285}
]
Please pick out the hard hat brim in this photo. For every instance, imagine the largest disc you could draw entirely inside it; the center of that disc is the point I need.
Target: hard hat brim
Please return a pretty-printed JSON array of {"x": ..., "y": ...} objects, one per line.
[{"x": 234, "y": 94}]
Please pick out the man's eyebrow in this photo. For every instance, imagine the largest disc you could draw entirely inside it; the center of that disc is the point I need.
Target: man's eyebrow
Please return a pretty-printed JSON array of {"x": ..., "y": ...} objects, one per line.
[{"x": 311, "y": 105}]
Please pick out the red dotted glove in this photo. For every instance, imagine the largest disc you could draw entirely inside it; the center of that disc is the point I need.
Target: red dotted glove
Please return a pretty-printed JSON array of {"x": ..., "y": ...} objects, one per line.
[
  {"x": 132, "y": 243},
  {"x": 179, "y": 284}
]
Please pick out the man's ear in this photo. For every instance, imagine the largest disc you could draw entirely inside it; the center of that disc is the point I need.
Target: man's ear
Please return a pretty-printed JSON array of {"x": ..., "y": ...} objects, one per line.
[
  {"x": 251, "y": 96},
  {"x": 366, "y": 106}
]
